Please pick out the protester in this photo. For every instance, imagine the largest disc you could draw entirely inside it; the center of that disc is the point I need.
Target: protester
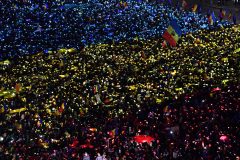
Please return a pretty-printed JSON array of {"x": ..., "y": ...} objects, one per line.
[{"x": 86, "y": 157}]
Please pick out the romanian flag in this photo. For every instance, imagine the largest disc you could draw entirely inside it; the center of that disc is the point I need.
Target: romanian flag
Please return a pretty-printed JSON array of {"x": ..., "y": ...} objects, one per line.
[
  {"x": 166, "y": 109},
  {"x": 222, "y": 14},
  {"x": 113, "y": 132},
  {"x": 18, "y": 87},
  {"x": 164, "y": 44},
  {"x": 194, "y": 9},
  {"x": 96, "y": 89},
  {"x": 184, "y": 5},
  {"x": 62, "y": 107},
  {"x": 172, "y": 33},
  {"x": 230, "y": 16},
  {"x": 212, "y": 19}
]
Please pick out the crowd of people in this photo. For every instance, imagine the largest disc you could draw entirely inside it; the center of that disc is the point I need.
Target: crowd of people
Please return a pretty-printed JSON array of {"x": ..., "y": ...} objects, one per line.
[
  {"x": 31, "y": 26},
  {"x": 80, "y": 83},
  {"x": 90, "y": 103}
]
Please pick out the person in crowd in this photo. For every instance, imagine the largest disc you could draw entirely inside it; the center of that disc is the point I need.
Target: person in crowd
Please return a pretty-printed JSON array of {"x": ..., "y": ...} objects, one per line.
[{"x": 86, "y": 156}]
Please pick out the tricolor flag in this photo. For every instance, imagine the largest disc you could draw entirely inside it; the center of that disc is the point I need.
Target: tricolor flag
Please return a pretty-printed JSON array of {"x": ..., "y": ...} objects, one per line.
[
  {"x": 18, "y": 87},
  {"x": 113, "y": 132},
  {"x": 184, "y": 5},
  {"x": 222, "y": 14},
  {"x": 165, "y": 109},
  {"x": 96, "y": 89},
  {"x": 172, "y": 34},
  {"x": 212, "y": 19},
  {"x": 39, "y": 122},
  {"x": 230, "y": 16},
  {"x": 62, "y": 107},
  {"x": 194, "y": 9},
  {"x": 164, "y": 44}
]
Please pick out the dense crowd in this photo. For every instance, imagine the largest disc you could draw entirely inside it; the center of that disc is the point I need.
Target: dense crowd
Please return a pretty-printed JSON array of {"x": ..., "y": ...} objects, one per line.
[
  {"x": 92, "y": 102},
  {"x": 32, "y": 26},
  {"x": 114, "y": 81}
]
